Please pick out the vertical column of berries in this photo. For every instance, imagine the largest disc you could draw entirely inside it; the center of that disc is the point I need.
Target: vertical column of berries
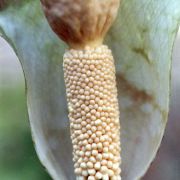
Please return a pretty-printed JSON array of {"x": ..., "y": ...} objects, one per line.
[{"x": 93, "y": 112}]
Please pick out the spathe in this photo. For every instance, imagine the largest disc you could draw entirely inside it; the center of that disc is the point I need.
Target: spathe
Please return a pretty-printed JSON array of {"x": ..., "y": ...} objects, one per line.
[{"x": 141, "y": 39}]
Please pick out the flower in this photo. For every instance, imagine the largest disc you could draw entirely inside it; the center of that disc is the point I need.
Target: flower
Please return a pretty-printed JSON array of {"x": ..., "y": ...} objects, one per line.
[{"x": 142, "y": 45}]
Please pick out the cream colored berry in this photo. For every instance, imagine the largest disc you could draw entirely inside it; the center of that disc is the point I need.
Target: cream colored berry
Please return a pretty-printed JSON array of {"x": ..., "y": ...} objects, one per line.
[
  {"x": 91, "y": 178},
  {"x": 84, "y": 173},
  {"x": 97, "y": 166},
  {"x": 91, "y": 171},
  {"x": 89, "y": 165},
  {"x": 98, "y": 175}
]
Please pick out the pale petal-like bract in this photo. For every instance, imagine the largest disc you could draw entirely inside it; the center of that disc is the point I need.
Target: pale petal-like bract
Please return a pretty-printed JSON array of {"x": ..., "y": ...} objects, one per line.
[{"x": 141, "y": 40}]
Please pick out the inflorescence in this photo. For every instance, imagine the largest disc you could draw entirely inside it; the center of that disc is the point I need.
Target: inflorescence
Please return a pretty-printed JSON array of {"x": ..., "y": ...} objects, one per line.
[{"x": 93, "y": 113}]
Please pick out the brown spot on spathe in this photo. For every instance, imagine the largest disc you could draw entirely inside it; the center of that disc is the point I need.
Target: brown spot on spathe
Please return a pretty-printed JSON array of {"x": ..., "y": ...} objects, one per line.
[
  {"x": 136, "y": 94},
  {"x": 142, "y": 52},
  {"x": 138, "y": 97}
]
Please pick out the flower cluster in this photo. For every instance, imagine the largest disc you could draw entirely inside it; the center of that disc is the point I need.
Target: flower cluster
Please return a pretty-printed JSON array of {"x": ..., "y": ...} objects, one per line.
[{"x": 93, "y": 112}]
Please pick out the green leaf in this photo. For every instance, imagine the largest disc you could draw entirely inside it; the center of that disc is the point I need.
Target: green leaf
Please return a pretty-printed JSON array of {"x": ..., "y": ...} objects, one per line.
[{"x": 141, "y": 39}]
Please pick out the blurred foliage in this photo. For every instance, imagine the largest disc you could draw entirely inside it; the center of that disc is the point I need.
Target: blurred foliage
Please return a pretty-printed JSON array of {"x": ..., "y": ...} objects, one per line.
[{"x": 18, "y": 160}]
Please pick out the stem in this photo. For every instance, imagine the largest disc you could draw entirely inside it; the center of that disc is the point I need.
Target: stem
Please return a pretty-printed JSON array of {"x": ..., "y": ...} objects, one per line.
[{"x": 93, "y": 112}]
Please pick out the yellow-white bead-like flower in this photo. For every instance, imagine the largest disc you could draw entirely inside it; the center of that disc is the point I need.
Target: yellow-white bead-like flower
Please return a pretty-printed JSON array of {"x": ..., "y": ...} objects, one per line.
[{"x": 90, "y": 84}]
